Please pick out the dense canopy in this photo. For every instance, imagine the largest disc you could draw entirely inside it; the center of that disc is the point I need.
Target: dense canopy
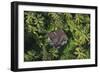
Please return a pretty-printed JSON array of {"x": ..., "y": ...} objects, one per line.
[{"x": 37, "y": 25}]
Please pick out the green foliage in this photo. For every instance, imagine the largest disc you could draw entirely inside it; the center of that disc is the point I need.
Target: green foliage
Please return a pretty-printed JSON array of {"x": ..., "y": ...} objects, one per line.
[
  {"x": 31, "y": 55},
  {"x": 53, "y": 54},
  {"x": 79, "y": 52},
  {"x": 38, "y": 24}
]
